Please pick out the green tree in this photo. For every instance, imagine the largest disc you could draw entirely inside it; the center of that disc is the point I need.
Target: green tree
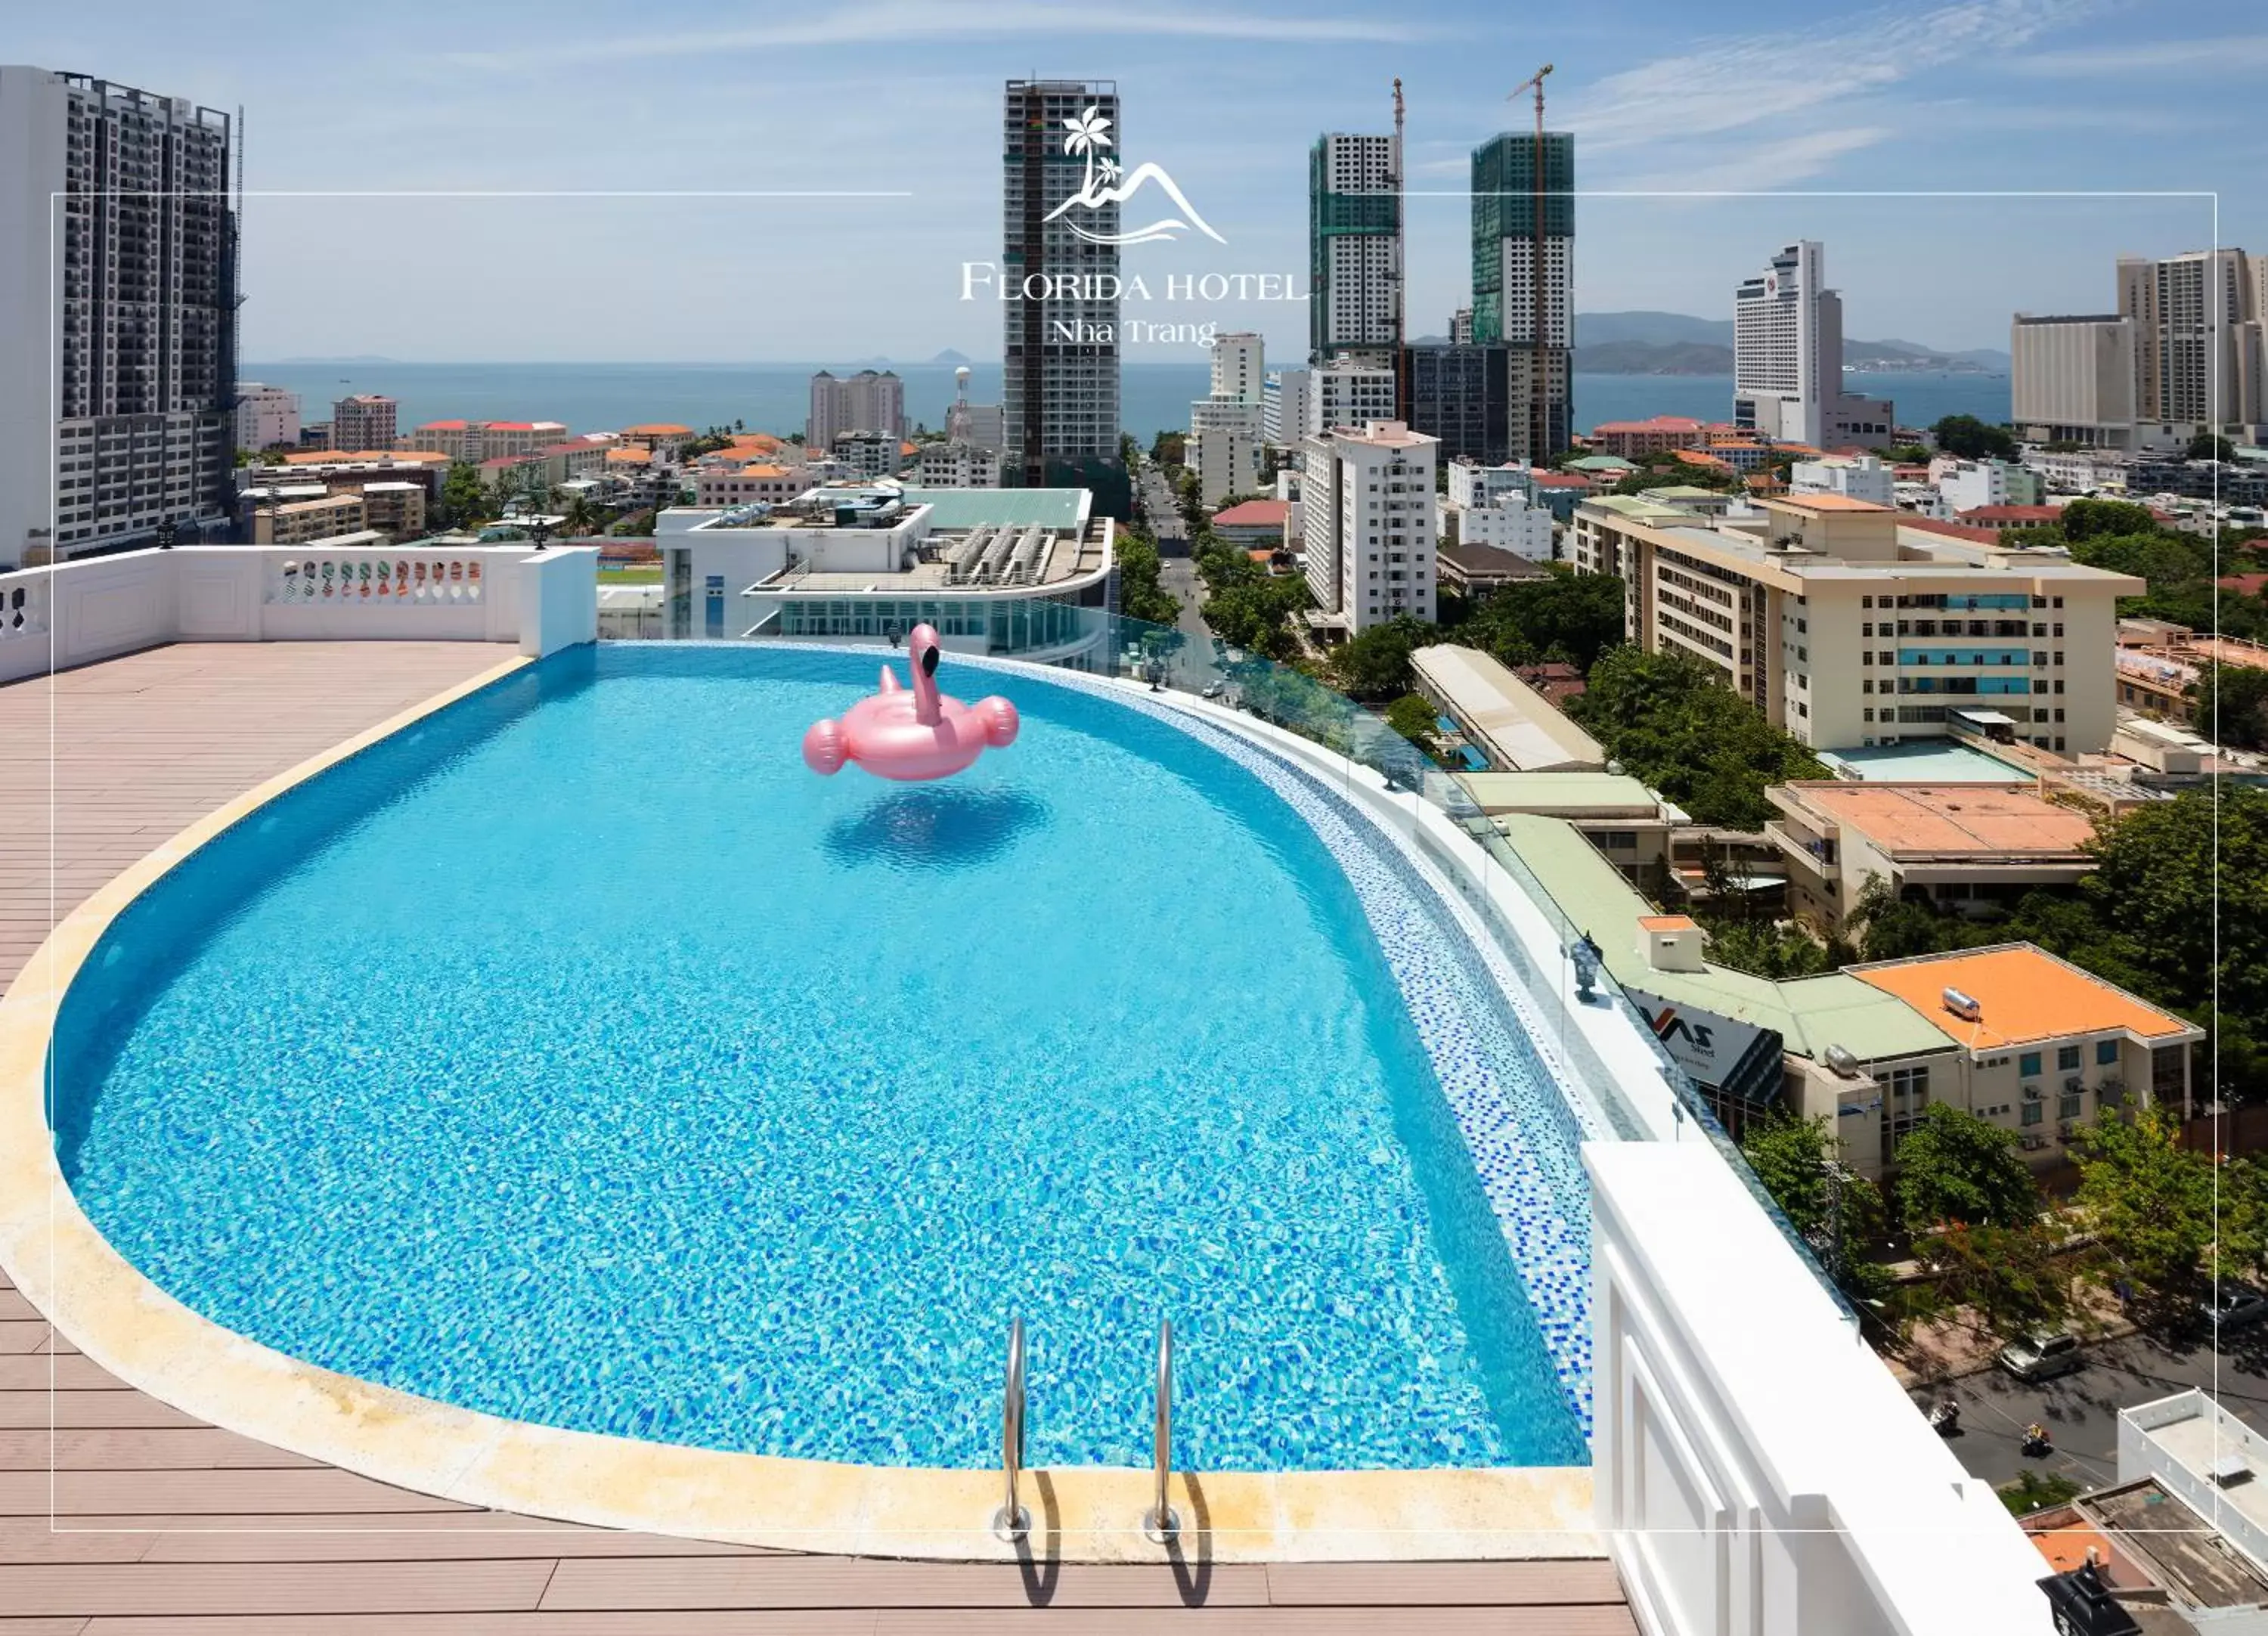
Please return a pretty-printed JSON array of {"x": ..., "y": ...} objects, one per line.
[
  {"x": 2184, "y": 882},
  {"x": 1375, "y": 665},
  {"x": 2010, "y": 1280},
  {"x": 464, "y": 501},
  {"x": 1140, "y": 594},
  {"x": 2209, "y": 447},
  {"x": 1836, "y": 1213},
  {"x": 2149, "y": 1202},
  {"x": 1765, "y": 950},
  {"x": 2085, "y": 519},
  {"x": 2035, "y": 1490},
  {"x": 1954, "y": 1167},
  {"x": 1671, "y": 721},
  {"x": 1412, "y": 716},
  {"x": 579, "y": 516},
  {"x": 2230, "y": 703},
  {"x": 1563, "y": 615},
  {"x": 1964, "y": 437},
  {"x": 1906, "y": 454}
]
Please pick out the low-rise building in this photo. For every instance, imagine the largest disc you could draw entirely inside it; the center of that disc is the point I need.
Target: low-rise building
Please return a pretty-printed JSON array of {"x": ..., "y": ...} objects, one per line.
[
  {"x": 298, "y": 522},
  {"x": 1630, "y": 439},
  {"x": 1256, "y": 525},
  {"x": 954, "y": 466},
  {"x": 1869, "y": 1047},
  {"x": 1030, "y": 573},
  {"x": 1510, "y": 524},
  {"x": 363, "y": 420},
  {"x": 1969, "y": 849},
  {"x": 1861, "y": 477},
  {"x": 395, "y": 509},
  {"x": 1509, "y": 722},
  {"x": 867, "y": 453},
  {"x": 474, "y": 441},
  {"x": 267, "y": 417},
  {"x": 2000, "y": 519},
  {"x": 1849, "y": 626},
  {"x": 1630, "y": 824},
  {"x": 1474, "y": 571},
  {"x": 1964, "y": 485}
]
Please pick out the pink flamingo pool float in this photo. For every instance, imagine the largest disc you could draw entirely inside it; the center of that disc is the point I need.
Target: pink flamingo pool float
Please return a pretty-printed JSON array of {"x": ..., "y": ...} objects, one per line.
[{"x": 911, "y": 736}]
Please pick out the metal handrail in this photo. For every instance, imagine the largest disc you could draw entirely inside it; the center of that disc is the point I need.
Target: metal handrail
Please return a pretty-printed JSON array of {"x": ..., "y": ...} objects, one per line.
[
  {"x": 1012, "y": 1522},
  {"x": 1159, "y": 1523}
]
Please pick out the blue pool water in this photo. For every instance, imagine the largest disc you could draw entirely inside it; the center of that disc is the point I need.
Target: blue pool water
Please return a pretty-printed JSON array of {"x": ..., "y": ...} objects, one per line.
[{"x": 579, "y": 1057}]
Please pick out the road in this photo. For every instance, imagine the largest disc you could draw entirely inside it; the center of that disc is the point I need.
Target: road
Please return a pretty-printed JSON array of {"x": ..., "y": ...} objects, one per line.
[
  {"x": 1159, "y": 511},
  {"x": 2080, "y": 1410}
]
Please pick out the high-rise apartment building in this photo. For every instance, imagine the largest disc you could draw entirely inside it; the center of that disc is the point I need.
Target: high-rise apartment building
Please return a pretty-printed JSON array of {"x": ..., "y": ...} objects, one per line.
[
  {"x": 1354, "y": 248},
  {"x": 1060, "y": 343},
  {"x": 1787, "y": 358},
  {"x": 869, "y": 401},
  {"x": 1227, "y": 428},
  {"x": 2197, "y": 321},
  {"x": 1369, "y": 522},
  {"x": 2071, "y": 378},
  {"x": 364, "y": 421},
  {"x": 1460, "y": 393},
  {"x": 1283, "y": 395},
  {"x": 1523, "y": 280},
  {"x": 117, "y": 317}
]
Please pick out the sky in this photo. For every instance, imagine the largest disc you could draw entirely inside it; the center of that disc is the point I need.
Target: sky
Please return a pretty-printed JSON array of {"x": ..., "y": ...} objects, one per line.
[{"x": 802, "y": 184}]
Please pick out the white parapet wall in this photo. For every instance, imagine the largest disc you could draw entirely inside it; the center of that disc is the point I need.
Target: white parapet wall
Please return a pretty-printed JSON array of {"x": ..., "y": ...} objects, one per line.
[
  {"x": 75, "y": 613},
  {"x": 1757, "y": 1470}
]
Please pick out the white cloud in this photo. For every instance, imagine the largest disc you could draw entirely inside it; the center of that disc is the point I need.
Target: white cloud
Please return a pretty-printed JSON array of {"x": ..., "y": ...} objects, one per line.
[
  {"x": 884, "y": 22},
  {"x": 2238, "y": 54},
  {"x": 1771, "y": 79},
  {"x": 1758, "y": 166}
]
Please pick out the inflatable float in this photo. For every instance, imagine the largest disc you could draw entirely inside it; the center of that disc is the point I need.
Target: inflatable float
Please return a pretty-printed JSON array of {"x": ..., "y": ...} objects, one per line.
[{"x": 915, "y": 735}]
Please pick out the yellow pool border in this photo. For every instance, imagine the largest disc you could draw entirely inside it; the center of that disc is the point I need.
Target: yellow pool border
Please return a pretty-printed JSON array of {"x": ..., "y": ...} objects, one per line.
[{"x": 132, "y": 1329}]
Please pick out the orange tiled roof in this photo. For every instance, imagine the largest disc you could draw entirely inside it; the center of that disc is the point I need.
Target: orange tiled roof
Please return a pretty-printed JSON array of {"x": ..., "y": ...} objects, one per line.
[
  {"x": 2023, "y": 994},
  {"x": 1255, "y": 514},
  {"x": 657, "y": 428},
  {"x": 1939, "y": 819},
  {"x": 1833, "y": 503},
  {"x": 629, "y": 457}
]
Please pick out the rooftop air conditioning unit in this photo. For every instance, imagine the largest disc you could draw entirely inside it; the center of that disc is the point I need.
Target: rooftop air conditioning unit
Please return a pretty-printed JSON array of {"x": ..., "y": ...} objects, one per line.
[{"x": 1966, "y": 1007}]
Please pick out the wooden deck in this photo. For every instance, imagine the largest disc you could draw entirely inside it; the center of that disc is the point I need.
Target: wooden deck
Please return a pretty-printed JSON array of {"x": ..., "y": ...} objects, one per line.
[{"x": 120, "y": 1515}]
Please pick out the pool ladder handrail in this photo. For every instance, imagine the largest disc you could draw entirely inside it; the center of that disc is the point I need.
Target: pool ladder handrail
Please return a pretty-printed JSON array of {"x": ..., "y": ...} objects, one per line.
[
  {"x": 1012, "y": 1522},
  {"x": 1160, "y": 1524}
]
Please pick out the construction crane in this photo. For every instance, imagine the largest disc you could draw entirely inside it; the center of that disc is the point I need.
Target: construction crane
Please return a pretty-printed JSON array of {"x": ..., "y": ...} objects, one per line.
[
  {"x": 1538, "y": 420},
  {"x": 1403, "y": 407}
]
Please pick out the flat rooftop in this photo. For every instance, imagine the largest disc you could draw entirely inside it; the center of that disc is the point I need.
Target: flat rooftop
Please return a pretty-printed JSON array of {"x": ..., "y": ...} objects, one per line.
[
  {"x": 1946, "y": 820},
  {"x": 1949, "y": 761},
  {"x": 2024, "y": 994},
  {"x": 1565, "y": 794},
  {"x": 1513, "y": 723}
]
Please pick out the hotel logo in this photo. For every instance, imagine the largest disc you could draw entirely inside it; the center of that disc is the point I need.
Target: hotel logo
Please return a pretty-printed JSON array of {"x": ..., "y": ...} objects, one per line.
[{"x": 1105, "y": 184}]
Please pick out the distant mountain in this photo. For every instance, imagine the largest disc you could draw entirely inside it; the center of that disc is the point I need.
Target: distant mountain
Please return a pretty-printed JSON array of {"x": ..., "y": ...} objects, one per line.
[
  {"x": 1882, "y": 356},
  {"x": 1642, "y": 357},
  {"x": 1652, "y": 329},
  {"x": 951, "y": 356}
]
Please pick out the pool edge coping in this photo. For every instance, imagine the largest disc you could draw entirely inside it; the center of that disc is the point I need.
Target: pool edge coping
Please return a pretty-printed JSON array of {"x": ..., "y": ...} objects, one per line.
[{"x": 133, "y": 1330}]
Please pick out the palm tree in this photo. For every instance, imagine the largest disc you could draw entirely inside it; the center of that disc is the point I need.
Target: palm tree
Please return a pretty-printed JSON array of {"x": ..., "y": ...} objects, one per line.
[{"x": 580, "y": 515}]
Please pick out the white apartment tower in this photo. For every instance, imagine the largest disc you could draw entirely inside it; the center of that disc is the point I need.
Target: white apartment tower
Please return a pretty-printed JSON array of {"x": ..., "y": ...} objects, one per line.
[
  {"x": 1354, "y": 248},
  {"x": 1788, "y": 347},
  {"x": 1283, "y": 405},
  {"x": 266, "y": 416},
  {"x": 1349, "y": 394},
  {"x": 1369, "y": 523},
  {"x": 1227, "y": 429},
  {"x": 869, "y": 401},
  {"x": 2197, "y": 321},
  {"x": 117, "y": 316},
  {"x": 1059, "y": 348}
]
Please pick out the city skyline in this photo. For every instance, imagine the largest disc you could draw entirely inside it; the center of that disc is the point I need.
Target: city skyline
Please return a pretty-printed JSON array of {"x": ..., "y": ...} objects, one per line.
[{"x": 1230, "y": 103}]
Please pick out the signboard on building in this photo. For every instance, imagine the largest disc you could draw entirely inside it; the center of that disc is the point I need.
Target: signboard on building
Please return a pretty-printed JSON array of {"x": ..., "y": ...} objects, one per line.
[{"x": 1735, "y": 1058}]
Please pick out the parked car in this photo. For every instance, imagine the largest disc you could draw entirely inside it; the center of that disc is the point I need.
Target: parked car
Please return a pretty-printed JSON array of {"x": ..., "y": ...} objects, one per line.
[
  {"x": 2232, "y": 1306},
  {"x": 2042, "y": 1355},
  {"x": 1215, "y": 690}
]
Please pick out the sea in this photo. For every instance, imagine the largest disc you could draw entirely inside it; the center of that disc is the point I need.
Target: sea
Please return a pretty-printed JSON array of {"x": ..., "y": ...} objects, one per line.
[{"x": 775, "y": 397}]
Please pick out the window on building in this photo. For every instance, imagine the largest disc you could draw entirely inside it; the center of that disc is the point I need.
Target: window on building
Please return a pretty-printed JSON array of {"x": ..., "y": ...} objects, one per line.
[
  {"x": 2028, "y": 1064},
  {"x": 2066, "y": 1057},
  {"x": 2068, "y": 1105},
  {"x": 2034, "y": 1112},
  {"x": 2106, "y": 1053}
]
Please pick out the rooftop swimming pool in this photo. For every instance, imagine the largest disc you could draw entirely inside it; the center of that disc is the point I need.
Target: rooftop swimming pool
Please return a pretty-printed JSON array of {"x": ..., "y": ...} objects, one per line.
[{"x": 577, "y": 1056}]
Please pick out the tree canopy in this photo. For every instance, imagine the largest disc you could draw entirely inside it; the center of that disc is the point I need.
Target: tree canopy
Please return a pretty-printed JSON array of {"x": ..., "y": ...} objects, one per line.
[
  {"x": 1954, "y": 1167},
  {"x": 1838, "y": 1213},
  {"x": 2230, "y": 703},
  {"x": 2149, "y": 1201},
  {"x": 1374, "y": 666},
  {"x": 1964, "y": 437},
  {"x": 1671, "y": 721},
  {"x": 1565, "y": 615},
  {"x": 1412, "y": 716},
  {"x": 1141, "y": 596}
]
